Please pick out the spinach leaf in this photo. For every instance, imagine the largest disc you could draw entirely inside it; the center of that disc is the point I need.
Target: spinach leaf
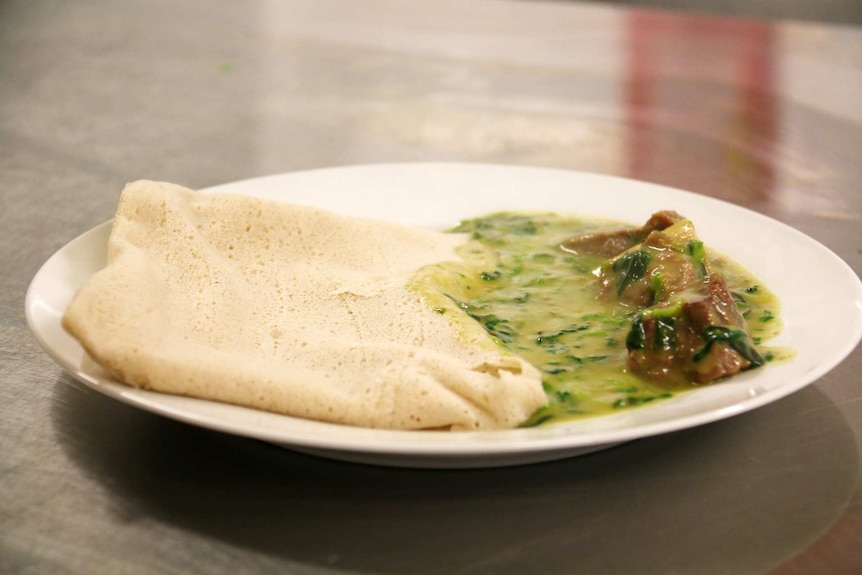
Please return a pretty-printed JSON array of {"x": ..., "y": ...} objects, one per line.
[
  {"x": 735, "y": 338},
  {"x": 549, "y": 337},
  {"x": 630, "y": 267},
  {"x": 665, "y": 333},
  {"x": 697, "y": 255},
  {"x": 496, "y": 326},
  {"x": 636, "y": 339}
]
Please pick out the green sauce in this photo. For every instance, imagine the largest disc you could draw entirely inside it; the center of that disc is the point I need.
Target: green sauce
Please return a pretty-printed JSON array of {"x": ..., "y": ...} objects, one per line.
[{"x": 542, "y": 303}]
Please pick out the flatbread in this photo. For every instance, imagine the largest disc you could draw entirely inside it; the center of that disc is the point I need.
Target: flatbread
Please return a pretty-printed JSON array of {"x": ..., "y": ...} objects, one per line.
[{"x": 290, "y": 309}]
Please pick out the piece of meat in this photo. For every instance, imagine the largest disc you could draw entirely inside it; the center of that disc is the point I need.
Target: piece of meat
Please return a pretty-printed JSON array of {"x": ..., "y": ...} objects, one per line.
[
  {"x": 610, "y": 244},
  {"x": 698, "y": 339},
  {"x": 667, "y": 262}
]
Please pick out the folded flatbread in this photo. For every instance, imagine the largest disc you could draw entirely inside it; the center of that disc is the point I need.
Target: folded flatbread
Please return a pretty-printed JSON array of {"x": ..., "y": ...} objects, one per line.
[{"x": 290, "y": 309}]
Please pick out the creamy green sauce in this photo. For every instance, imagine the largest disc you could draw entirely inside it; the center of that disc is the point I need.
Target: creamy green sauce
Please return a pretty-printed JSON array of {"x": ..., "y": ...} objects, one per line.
[{"x": 542, "y": 303}]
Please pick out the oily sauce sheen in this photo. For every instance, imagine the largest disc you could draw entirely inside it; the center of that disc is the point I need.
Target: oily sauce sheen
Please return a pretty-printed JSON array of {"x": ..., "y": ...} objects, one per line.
[{"x": 542, "y": 303}]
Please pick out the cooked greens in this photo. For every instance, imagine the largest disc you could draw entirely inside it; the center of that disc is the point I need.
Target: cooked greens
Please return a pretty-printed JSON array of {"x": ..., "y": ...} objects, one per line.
[{"x": 577, "y": 309}]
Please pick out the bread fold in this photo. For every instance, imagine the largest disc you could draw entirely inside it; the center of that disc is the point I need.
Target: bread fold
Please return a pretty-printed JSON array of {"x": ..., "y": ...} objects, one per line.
[{"x": 290, "y": 309}]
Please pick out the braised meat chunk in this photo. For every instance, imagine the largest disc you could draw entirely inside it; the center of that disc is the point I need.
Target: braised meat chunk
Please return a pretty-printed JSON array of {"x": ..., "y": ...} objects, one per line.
[
  {"x": 609, "y": 244},
  {"x": 665, "y": 263},
  {"x": 697, "y": 336}
]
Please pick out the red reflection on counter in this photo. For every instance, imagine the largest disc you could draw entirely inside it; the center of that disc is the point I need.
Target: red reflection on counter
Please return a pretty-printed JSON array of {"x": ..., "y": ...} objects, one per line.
[{"x": 700, "y": 103}]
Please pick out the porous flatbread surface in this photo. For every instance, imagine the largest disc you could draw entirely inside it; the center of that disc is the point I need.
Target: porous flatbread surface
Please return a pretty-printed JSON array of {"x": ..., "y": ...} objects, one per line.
[{"x": 290, "y": 309}]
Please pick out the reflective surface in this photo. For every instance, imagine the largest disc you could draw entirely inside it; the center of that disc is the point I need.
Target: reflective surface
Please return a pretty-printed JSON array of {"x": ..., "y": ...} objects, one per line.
[{"x": 94, "y": 94}]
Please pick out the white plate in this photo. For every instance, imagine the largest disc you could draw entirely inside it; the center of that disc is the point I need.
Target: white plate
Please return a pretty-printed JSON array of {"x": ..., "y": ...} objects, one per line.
[{"x": 823, "y": 327}]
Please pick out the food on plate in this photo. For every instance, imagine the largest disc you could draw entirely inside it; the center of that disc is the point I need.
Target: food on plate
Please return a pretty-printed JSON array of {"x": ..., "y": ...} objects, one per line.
[
  {"x": 613, "y": 315},
  {"x": 290, "y": 309},
  {"x": 510, "y": 319},
  {"x": 612, "y": 243},
  {"x": 688, "y": 328}
]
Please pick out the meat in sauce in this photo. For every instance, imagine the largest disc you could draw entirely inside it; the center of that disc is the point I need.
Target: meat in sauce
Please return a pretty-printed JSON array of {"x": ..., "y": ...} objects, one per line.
[{"x": 687, "y": 327}]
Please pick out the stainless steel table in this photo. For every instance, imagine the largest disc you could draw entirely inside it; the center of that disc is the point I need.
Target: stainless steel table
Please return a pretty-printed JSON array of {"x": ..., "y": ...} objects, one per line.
[{"x": 94, "y": 94}]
